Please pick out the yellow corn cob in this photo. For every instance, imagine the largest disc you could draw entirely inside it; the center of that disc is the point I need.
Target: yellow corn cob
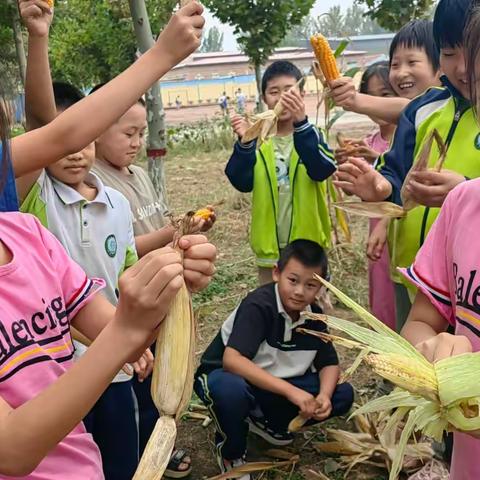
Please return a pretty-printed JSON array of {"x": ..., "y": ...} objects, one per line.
[
  {"x": 205, "y": 213},
  {"x": 172, "y": 379},
  {"x": 432, "y": 398},
  {"x": 325, "y": 57},
  {"x": 50, "y": 3}
]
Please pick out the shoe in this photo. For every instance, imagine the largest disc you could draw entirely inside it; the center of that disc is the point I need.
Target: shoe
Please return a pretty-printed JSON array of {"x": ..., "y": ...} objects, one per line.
[
  {"x": 227, "y": 465},
  {"x": 259, "y": 427}
]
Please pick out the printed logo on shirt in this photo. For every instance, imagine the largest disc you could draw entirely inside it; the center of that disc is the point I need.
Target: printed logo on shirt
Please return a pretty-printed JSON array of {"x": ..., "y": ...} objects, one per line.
[
  {"x": 41, "y": 336},
  {"x": 149, "y": 210},
  {"x": 468, "y": 299},
  {"x": 477, "y": 142},
  {"x": 111, "y": 245}
]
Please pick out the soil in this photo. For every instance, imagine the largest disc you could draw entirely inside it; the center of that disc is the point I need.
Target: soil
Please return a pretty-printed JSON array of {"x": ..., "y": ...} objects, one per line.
[{"x": 197, "y": 181}]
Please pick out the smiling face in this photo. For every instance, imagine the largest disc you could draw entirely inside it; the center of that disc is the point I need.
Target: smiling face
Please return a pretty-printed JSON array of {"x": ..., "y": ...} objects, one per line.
[
  {"x": 275, "y": 87},
  {"x": 296, "y": 285},
  {"x": 453, "y": 65},
  {"x": 121, "y": 143},
  {"x": 411, "y": 72}
]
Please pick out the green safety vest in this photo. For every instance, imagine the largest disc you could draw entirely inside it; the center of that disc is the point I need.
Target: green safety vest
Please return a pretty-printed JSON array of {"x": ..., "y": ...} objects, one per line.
[
  {"x": 457, "y": 126},
  {"x": 310, "y": 218}
]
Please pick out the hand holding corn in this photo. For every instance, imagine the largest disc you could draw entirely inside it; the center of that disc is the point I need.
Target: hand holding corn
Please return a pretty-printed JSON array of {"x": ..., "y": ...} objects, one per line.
[
  {"x": 172, "y": 380},
  {"x": 37, "y": 16},
  {"x": 431, "y": 398},
  {"x": 183, "y": 33},
  {"x": 325, "y": 57},
  {"x": 357, "y": 177}
]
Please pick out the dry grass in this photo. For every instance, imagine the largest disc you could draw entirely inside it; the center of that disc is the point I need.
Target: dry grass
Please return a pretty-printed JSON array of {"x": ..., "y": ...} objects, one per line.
[{"x": 195, "y": 181}]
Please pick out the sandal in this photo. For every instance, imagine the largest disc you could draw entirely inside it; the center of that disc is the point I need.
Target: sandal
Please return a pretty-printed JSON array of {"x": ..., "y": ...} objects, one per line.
[{"x": 173, "y": 469}]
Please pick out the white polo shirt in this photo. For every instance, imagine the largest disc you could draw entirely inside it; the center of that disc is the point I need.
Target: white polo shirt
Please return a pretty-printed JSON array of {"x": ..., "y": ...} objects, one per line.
[{"x": 97, "y": 234}]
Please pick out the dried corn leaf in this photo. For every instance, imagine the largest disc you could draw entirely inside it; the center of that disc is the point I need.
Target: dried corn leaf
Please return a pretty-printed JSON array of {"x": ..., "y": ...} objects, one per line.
[
  {"x": 253, "y": 467},
  {"x": 372, "y": 209},
  {"x": 422, "y": 164},
  {"x": 312, "y": 475},
  {"x": 265, "y": 123},
  {"x": 282, "y": 454}
]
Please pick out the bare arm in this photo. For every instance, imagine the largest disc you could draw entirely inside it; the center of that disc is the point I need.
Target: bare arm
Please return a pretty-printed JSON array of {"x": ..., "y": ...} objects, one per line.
[
  {"x": 26, "y": 436},
  {"x": 29, "y": 432},
  {"x": 235, "y": 362},
  {"x": 345, "y": 95},
  {"x": 84, "y": 122},
  {"x": 151, "y": 241},
  {"x": 424, "y": 321},
  {"x": 387, "y": 109},
  {"x": 329, "y": 379},
  {"x": 39, "y": 99}
]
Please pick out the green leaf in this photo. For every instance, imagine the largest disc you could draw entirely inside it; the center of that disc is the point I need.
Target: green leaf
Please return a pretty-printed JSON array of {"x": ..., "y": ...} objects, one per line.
[
  {"x": 351, "y": 72},
  {"x": 341, "y": 48}
]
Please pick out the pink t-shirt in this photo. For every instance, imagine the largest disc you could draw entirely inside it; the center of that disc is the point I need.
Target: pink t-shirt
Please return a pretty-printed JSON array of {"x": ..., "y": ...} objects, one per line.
[
  {"x": 447, "y": 271},
  {"x": 376, "y": 142},
  {"x": 41, "y": 290}
]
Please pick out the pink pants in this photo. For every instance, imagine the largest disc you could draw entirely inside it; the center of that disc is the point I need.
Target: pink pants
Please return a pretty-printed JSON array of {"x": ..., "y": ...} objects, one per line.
[{"x": 381, "y": 288}]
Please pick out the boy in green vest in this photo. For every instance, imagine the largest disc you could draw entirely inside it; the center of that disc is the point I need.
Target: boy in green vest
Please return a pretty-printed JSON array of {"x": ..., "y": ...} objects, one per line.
[
  {"x": 285, "y": 175},
  {"x": 449, "y": 111}
]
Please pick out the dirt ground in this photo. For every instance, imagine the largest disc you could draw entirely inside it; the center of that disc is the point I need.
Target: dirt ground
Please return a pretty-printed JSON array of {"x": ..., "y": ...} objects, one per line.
[
  {"x": 197, "y": 181},
  {"x": 197, "y": 114}
]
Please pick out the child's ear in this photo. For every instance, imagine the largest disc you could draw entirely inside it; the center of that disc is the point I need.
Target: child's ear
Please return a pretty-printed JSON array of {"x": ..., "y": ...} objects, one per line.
[{"x": 276, "y": 274}]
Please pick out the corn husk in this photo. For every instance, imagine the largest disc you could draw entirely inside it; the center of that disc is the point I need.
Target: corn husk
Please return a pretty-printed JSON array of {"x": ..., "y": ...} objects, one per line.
[
  {"x": 433, "y": 398},
  {"x": 372, "y": 209},
  {"x": 254, "y": 467},
  {"x": 172, "y": 377},
  {"x": 422, "y": 164},
  {"x": 265, "y": 123},
  {"x": 374, "y": 443}
]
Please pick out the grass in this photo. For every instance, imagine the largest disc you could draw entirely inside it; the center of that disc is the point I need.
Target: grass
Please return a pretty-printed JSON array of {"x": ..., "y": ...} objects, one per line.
[{"x": 195, "y": 180}]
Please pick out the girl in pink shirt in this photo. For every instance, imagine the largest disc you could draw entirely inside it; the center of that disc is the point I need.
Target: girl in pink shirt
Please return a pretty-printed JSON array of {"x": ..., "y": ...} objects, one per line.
[
  {"x": 446, "y": 272},
  {"x": 375, "y": 82},
  {"x": 43, "y": 396}
]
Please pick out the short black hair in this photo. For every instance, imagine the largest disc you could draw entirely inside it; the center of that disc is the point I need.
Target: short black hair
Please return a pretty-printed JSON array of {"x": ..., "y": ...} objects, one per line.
[
  {"x": 308, "y": 253},
  {"x": 417, "y": 34},
  {"x": 66, "y": 95},
  {"x": 281, "y": 68},
  {"x": 141, "y": 101},
  {"x": 377, "y": 69},
  {"x": 451, "y": 18}
]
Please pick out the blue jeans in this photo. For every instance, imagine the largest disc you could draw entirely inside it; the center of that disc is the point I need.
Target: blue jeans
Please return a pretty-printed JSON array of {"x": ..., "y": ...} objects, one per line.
[
  {"x": 114, "y": 429},
  {"x": 230, "y": 399}
]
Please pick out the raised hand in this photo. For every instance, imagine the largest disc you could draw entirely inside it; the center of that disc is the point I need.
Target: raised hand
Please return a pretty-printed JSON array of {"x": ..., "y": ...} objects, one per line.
[{"x": 37, "y": 16}]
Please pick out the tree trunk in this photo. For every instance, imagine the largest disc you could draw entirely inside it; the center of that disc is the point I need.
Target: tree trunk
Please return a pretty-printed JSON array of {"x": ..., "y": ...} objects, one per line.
[
  {"x": 258, "y": 78},
  {"x": 157, "y": 140},
  {"x": 18, "y": 38}
]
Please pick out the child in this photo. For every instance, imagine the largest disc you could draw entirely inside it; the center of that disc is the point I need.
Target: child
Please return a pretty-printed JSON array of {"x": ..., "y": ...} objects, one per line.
[
  {"x": 259, "y": 371},
  {"x": 42, "y": 396},
  {"x": 90, "y": 222},
  {"x": 375, "y": 82},
  {"x": 285, "y": 174},
  {"x": 445, "y": 273},
  {"x": 414, "y": 68},
  {"x": 449, "y": 111},
  {"x": 116, "y": 152}
]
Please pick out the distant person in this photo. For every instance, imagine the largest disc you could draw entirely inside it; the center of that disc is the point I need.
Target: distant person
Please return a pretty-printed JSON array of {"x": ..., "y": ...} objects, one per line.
[
  {"x": 241, "y": 100},
  {"x": 285, "y": 174},
  {"x": 178, "y": 102},
  {"x": 223, "y": 102}
]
